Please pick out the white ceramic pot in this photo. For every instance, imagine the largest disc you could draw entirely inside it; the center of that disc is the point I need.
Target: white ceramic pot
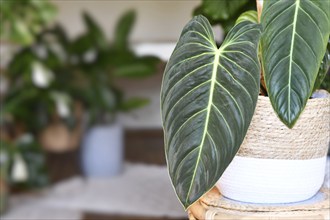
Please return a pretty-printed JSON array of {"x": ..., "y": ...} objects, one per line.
[
  {"x": 276, "y": 164},
  {"x": 102, "y": 151},
  {"x": 258, "y": 180}
]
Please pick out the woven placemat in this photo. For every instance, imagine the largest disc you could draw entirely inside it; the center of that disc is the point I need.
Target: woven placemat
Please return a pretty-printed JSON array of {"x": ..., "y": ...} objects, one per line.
[{"x": 213, "y": 203}]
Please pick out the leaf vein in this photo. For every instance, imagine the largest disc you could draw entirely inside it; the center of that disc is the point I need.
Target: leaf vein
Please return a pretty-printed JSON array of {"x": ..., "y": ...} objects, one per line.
[
  {"x": 179, "y": 81},
  {"x": 184, "y": 123},
  {"x": 237, "y": 82},
  {"x": 254, "y": 80},
  {"x": 235, "y": 51},
  {"x": 312, "y": 19},
  {"x": 177, "y": 102},
  {"x": 232, "y": 97}
]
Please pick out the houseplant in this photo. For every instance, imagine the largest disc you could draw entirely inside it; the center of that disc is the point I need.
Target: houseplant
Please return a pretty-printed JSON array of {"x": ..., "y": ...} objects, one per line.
[
  {"x": 20, "y": 23},
  {"x": 209, "y": 94},
  {"x": 102, "y": 152}
]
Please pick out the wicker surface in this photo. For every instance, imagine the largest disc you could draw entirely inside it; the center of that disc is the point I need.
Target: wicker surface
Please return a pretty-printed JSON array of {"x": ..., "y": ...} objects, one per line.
[
  {"x": 214, "y": 206},
  {"x": 280, "y": 142}
]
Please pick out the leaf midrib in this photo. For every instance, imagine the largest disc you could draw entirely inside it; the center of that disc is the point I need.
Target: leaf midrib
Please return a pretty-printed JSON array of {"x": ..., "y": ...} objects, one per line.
[
  {"x": 209, "y": 106},
  {"x": 291, "y": 56}
]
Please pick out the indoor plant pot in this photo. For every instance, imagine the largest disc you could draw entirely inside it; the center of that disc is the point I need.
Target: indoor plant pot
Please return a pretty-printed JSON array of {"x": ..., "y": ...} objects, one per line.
[
  {"x": 102, "y": 151},
  {"x": 209, "y": 93},
  {"x": 274, "y": 161}
]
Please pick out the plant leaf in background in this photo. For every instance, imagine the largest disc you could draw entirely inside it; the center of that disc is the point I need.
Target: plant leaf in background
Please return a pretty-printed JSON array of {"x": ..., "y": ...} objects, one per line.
[
  {"x": 208, "y": 98},
  {"x": 323, "y": 71},
  {"x": 21, "y": 63},
  {"x": 133, "y": 103},
  {"x": 34, "y": 159},
  {"x": 224, "y": 12},
  {"x": 248, "y": 16},
  {"x": 138, "y": 68},
  {"x": 20, "y": 21},
  {"x": 123, "y": 30},
  {"x": 326, "y": 83},
  {"x": 92, "y": 39},
  {"x": 96, "y": 36},
  {"x": 300, "y": 28}
]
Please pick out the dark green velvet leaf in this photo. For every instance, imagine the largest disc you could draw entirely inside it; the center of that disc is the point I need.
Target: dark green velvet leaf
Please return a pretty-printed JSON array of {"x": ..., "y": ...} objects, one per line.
[
  {"x": 295, "y": 35},
  {"x": 208, "y": 98}
]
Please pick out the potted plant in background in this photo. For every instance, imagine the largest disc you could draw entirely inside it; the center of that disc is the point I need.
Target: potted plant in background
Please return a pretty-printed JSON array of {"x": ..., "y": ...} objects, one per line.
[
  {"x": 209, "y": 95},
  {"x": 20, "y": 23},
  {"x": 40, "y": 77},
  {"x": 102, "y": 64},
  {"x": 59, "y": 79}
]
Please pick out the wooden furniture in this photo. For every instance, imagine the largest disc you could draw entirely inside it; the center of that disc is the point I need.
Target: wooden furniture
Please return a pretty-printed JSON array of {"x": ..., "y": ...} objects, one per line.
[
  {"x": 213, "y": 206},
  {"x": 145, "y": 146},
  {"x": 141, "y": 146},
  {"x": 97, "y": 216}
]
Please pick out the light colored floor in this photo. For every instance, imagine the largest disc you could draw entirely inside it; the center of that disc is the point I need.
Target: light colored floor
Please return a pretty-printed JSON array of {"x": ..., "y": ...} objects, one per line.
[{"x": 140, "y": 190}]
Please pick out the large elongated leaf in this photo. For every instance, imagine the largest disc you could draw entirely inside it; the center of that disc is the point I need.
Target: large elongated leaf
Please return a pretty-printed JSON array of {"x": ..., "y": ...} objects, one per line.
[
  {"x": 208, "y": 98},
  {"x": 293, "y": 45}
]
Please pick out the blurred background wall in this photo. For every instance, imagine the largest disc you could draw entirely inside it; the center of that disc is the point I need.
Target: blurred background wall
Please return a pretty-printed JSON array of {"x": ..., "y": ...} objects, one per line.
[{"x": 157, "y": 20}]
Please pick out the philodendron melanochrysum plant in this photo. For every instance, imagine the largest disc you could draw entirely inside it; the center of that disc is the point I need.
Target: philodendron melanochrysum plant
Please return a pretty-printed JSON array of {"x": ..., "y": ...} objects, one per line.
[{"x": 209, "y": 94}]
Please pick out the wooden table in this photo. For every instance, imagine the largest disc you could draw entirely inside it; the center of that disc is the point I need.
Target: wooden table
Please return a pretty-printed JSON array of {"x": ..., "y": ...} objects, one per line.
[{"x": 97, "y": 216}]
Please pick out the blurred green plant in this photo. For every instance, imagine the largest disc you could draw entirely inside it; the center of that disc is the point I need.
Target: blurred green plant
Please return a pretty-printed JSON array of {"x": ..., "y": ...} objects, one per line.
[
  {"x": 33, "y": 162},
  {"x": 48, "y": 75},
  {"x": 21, "y": 20},
  {"x": 224, "y": 12},
  {"x": 102, "y": 63}
]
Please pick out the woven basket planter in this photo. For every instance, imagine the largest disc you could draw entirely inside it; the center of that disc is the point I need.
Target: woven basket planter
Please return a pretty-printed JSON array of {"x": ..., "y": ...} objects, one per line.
[{"x": 276, "y": 164}]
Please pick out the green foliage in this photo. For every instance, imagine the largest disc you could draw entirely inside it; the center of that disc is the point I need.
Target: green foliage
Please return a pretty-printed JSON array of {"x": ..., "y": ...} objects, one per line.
[
  {"x": 208, "y": 99},
  {"x": 323, "y": 77},
  {"x": 123, "y": 29},
  {"x": 293, "y": 44},
  {"x": 33, "y": 158},
  {"x": 106, "y": 64},
  {"x": 96, "y": 37},
  {"x": 326, "y": 82},
  {"x": 251, "y": 16},
  {"x": 133, "y": 103},
  {"x": 6, "y": 152},
  {"x": 20, "y": 21},
  {"x": 53, "y": 66},
  {"x": 224, "y": 12},
  {"x": 209, "y": 94},
  {"x": 85, "y": 68}
]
